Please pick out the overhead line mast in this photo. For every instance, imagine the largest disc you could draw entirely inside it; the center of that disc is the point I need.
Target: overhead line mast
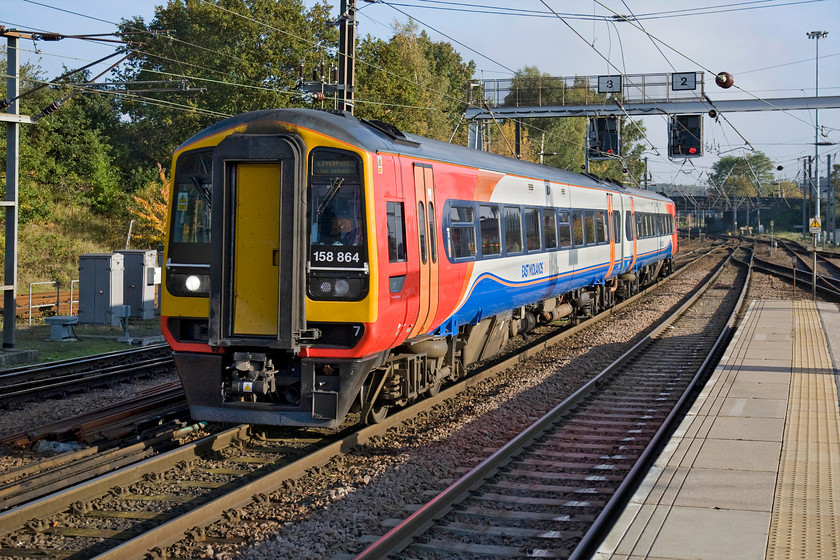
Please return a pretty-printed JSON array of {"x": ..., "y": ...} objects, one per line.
[{"x": 346, "y": 55}]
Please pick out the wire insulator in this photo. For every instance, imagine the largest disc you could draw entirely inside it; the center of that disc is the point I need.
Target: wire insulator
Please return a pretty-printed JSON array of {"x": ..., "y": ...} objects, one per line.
[
  {"x": 51, "y": 108},
  {"x": 48, "y": 110}
]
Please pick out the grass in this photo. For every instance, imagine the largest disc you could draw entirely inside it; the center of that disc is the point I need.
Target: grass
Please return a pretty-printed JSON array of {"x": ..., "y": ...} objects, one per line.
[{"x": 92, "y": 339}]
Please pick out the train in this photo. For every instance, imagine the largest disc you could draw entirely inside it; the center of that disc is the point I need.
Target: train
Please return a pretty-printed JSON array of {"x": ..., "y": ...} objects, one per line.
[{"x": 319, "y": 265}]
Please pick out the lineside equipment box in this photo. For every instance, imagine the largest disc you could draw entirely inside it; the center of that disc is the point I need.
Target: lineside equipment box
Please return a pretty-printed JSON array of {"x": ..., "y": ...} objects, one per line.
[
  {"x": 139, "y": 282},
  {"x": 100, "y": 287}
]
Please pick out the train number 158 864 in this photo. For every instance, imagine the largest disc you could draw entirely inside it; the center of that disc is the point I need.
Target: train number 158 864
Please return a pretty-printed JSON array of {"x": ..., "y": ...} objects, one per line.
[{"x": 335, "y": 256}]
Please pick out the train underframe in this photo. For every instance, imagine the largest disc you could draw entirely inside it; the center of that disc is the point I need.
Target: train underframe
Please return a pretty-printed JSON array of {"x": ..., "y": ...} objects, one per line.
[{"x": 261, "y": 386}]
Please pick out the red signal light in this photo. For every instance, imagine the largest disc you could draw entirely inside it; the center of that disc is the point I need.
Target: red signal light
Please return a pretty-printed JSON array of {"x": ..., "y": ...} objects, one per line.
[{"x": 692, "y": 150}]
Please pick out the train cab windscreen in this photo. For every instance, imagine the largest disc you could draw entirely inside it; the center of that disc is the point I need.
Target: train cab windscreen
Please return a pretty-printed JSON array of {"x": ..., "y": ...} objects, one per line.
[
  {"x": 338, "y": 248},
  {"x": 188, "y": 254}
]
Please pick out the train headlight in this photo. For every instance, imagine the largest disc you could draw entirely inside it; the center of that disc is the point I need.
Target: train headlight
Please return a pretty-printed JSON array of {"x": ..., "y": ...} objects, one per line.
[
  {"x": 342, "y": 287},
  {"x": 188, "y": 284},
  {"x": 324, "y": 288},
  {"x": 192, "y": 283}
]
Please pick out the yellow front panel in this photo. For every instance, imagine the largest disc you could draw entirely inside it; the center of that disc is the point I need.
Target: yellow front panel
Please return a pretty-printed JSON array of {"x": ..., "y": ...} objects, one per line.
[{"x": 255, "y": 246}]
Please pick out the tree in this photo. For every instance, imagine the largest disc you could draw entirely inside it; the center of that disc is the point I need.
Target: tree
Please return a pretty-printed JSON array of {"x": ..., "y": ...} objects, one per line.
[
  {"x": 66, "y": 155},
  {"x": 742, "y": 179},
  {"x": 411, "y": 82},
  {"x": 244, "y": 54},
  {"x": 565, "y": 137},
  {"x": 148, "y": 209},
  {"x": 743, "y": 176},
  {"x": 502, "y": 139}
]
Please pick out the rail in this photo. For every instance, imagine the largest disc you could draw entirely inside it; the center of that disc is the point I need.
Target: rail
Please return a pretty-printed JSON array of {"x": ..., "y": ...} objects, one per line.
[
  {"x": 270, "y": 472},
  {"x": 419, "y": 522}
]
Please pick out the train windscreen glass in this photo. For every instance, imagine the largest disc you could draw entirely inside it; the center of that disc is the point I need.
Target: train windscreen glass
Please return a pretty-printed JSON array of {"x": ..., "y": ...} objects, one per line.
[
  {"x": 338, "y": 251},
  {"x": 191, "y": 208},
  {"x": 188, "y": 254}
]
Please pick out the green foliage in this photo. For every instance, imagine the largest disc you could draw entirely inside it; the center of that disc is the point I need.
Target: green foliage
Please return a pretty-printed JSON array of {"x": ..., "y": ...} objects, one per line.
[
  {"x": 411, "y": 82},
  {"x": 67, "y": 152},
  {"x": 244, "y": 54},
  {"x": 743, "y": 176}
]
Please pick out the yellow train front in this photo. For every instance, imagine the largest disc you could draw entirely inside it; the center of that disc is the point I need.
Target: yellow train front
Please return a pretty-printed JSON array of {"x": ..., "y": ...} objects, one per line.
[{"x": 268, "y": 266}]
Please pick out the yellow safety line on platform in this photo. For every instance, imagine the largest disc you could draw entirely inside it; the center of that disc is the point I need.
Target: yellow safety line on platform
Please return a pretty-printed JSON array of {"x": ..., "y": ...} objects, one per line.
[{"x": 805, "y": 522}]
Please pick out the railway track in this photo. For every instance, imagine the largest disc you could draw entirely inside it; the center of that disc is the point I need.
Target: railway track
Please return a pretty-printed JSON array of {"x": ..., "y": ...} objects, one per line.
[
  {"x": 54, "y": 474},
  {"x": 190, "y": 487},
  {"x": 553, "y": 489},
  {"x": 828, "y": 272},
  {"x": 828, "y": 281},
  {"x": 74, "y": 375}
]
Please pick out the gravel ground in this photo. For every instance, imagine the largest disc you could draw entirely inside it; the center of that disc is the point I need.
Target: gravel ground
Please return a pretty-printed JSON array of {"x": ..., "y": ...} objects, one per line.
[
  {"x": 328, "y": 510},
  {"x": 23, "y": 415}
]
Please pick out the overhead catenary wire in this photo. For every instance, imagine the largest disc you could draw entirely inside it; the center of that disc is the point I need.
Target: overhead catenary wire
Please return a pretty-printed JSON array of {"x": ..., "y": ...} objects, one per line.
[
  {"x": 690, "y": 59},
  {"x": 464, "y": 7},
  {"x": 367, "y": 6}
]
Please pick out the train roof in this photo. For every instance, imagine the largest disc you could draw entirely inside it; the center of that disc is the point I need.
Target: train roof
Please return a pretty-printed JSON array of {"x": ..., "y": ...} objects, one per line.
[{"x": 376, "y": 136}]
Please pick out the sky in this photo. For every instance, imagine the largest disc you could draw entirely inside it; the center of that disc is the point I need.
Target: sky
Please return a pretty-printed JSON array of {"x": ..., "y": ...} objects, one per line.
[{"x": 762, "y": 43}]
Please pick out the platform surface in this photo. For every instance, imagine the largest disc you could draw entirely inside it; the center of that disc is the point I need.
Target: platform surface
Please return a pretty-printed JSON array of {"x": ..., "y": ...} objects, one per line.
[{"x": 753, "y": 471}]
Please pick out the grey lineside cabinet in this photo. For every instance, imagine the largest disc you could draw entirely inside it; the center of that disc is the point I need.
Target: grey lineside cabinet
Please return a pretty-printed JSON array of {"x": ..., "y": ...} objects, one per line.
[
  {"x": 139, "y": 282},
  {"x": 100, "y": 288}
]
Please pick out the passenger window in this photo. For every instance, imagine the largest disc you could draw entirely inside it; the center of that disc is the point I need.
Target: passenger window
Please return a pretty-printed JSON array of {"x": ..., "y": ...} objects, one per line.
[
  {"x": 432, "y": 238},
  {"x": 462, "y": 233},
  {"x": 617, "y": 226},
  {"x": 463, "y": 242},
  {"x": 589, "y": 222},
  {"x": 461, "y": 213},
  {"x": 532, "y": 229},
  {"x": 601, "y": 226},
  {"x": 488, "y": 216},
  {"x": 577, "y": 227},
  {"x": 629, "y": 222},
  {"x": 513, "y": 230},
  {"x": 550, "y": 228},
  {"x": 396, "y": 232},
  {"x": 421, "y": 229},
  {"x": 564, "y": 230}
]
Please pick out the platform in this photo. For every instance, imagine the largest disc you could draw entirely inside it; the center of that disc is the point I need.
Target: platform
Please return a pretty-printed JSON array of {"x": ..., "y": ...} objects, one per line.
[{"x": 753, "y": 471}]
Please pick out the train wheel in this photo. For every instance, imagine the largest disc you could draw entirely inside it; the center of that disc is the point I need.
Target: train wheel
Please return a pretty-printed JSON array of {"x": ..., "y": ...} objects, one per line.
[
  {"x": 433, "y": 389},
  {"x": 377, "y": 414}
]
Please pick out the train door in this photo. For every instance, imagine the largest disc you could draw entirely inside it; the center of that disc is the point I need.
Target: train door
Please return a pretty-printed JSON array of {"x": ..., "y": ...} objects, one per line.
[
  {"x": 612, "y": 234},
  {"x": 631, "y": 232},
  {"x": 426, "y": 214},
  {"x": 620, "y": 244},
  {"x": 660, "y": 227},
  {"x": 257, "y": 281},
  {"x": 256, "y": 242}
]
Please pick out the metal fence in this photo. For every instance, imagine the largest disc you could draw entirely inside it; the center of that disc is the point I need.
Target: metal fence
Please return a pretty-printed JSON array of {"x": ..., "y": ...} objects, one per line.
[{"x": 57, "y": 303}]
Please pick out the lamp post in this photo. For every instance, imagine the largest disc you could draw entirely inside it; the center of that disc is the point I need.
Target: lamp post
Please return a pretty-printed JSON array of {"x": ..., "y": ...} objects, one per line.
[{"x": 817, "y": 35}]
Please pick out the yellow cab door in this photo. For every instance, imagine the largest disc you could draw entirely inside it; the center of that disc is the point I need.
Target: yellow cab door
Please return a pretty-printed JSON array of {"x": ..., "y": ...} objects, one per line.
[
  {"x": 257, "y": 267},
  {"x": 256, "y": 226}
]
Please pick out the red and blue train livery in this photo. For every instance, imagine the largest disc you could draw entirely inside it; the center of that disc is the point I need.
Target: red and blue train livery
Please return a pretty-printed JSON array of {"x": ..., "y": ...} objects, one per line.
[{"x": 318, "y": 264}]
